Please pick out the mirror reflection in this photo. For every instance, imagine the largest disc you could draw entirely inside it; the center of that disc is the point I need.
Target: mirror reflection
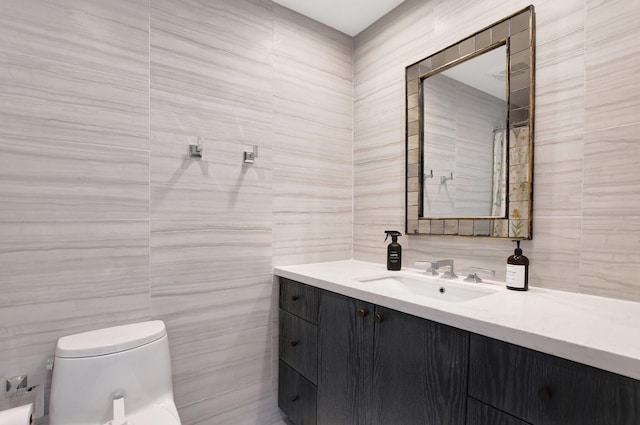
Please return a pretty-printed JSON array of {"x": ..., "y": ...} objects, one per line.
[{"x": 465, "y": 138}]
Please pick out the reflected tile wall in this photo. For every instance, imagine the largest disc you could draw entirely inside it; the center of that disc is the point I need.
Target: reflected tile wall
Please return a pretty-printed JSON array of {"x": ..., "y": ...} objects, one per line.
[
  {"x": 585, "y": 162},
  {"x": 104, "y": 219},
  {"x": 471, "y": 159}
]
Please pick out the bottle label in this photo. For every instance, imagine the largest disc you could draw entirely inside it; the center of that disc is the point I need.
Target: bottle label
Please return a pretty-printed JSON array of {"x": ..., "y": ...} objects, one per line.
[{"x": 515, "y": 275}]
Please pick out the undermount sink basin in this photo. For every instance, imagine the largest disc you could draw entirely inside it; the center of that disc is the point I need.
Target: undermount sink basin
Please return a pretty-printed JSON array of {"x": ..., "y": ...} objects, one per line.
[{"x": 434, "y": 288}]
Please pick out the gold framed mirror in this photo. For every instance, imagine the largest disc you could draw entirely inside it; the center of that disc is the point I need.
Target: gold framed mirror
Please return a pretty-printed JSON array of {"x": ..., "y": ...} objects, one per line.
[{"x": 469, "y": 134}]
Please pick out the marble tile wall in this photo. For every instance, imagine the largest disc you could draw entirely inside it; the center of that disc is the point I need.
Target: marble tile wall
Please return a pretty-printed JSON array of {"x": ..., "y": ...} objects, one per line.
[
  {"x": 104, "y": 220},
  {"x": 74, "y": 174},
  {"x": 586, "y": 180},
  {"x": 211, "y": 241},
  {"x": 313, "y": 173}
]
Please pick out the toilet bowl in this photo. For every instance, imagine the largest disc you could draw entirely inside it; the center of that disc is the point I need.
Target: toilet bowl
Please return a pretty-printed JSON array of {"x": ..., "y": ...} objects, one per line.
[{"x": 113, "y": 376}]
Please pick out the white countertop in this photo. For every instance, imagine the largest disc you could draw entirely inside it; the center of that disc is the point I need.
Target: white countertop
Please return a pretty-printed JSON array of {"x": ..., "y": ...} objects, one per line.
[{"x": 597, "y": 331}]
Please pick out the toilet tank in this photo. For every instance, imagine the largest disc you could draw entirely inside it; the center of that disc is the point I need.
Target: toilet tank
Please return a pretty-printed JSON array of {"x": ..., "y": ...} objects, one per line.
[{"x": 93, "y": 368}]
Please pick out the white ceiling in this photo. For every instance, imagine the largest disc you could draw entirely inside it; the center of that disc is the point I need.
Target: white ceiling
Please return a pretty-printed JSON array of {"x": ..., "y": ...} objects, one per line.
[
  {"x": 347, "y": 16},
  {"x": 486, "y": 72}
]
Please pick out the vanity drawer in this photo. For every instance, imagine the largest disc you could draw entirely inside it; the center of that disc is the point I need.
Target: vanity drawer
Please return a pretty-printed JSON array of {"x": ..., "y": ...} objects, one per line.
[
  {"x": 544, "y": 389},
  {"x": 299, "y": 299},
  {"x": 296, "y": 396},
  {"x": 482, "y": 414},
  {"x": 299, "y": 345}
]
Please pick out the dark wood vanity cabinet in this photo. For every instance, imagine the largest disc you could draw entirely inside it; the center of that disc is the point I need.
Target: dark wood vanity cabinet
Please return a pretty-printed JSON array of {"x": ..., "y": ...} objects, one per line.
[
  {"x": 541, "y": 389},
  {"x": 378, "y": 366},
  {"x": 348, "y": 362},
  {"x": 298, "y": 348}
]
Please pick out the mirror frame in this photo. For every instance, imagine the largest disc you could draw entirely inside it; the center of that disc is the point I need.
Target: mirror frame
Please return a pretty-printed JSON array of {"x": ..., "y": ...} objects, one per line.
[{"x": 517, "y": 32}]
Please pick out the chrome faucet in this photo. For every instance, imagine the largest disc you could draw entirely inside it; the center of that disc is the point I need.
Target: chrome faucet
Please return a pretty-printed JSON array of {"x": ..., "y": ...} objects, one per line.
[
  {"x": 434, "y": 266},
  {"x": 449, "y": 273}
]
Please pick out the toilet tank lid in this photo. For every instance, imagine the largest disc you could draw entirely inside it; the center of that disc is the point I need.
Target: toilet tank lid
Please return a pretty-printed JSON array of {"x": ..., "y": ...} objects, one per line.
[{"x": 110, "y": 340}]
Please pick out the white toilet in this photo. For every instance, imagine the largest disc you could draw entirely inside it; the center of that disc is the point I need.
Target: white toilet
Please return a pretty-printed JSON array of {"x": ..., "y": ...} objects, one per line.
[{"x": 113, "y": 376}]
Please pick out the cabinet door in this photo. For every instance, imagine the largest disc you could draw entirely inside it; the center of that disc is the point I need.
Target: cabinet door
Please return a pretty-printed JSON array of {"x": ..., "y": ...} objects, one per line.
[
  {"x": 345, "y": 351},
  {"x": 299, "y": 345},
  {"x": 543, "y": 389},
  {"x": 420, "y": 371},
  {"x": 296, "y": 396}
]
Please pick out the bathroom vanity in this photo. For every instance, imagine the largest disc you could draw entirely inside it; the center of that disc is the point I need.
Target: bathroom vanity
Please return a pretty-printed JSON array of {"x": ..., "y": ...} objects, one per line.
[{"x": 360, "y": 345}]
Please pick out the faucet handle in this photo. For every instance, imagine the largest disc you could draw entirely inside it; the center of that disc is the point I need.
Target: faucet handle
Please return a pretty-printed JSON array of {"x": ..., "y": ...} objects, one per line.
[
  {"x": 431, "y": 267},
  {"x": 473, "y": 274}
]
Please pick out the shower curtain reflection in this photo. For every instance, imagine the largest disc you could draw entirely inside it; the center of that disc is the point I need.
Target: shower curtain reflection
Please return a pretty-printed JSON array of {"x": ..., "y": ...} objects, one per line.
[{"x": 499, "y": 192}]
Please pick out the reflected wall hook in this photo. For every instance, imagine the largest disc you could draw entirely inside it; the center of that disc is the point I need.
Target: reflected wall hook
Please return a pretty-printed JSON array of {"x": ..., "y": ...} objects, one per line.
[
  {"x": 428, "y": 176},
  {"x": 444, "y": 179}
]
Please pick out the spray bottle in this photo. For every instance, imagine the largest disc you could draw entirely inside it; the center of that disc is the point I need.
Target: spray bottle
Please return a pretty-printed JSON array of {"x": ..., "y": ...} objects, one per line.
[{"x": 394, "y": 250}]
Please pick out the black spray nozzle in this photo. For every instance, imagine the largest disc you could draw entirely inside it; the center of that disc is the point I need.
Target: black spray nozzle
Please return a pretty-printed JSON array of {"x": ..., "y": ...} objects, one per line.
[{"x": 394, "y": 235}]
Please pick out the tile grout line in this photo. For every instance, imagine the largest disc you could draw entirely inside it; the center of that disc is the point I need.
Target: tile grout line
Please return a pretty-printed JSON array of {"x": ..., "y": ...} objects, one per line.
[
  {"x": 584, "y": 139},
  {"x": 149, "y": 162},
  {"x": 353, "y": 146}
]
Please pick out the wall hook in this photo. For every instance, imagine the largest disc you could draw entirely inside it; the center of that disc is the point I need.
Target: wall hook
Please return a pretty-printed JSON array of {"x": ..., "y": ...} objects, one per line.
[
  {"x": 444, "y": 179},
  {"x": 195, "y": 151},
  {"x": 428, "y": 176},
  {"x": 249, "y": 156}
]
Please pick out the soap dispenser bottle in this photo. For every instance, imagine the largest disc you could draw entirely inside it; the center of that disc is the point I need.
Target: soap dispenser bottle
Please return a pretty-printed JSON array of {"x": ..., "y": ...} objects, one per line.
[
  {"x": 394, "y": 250},
  {"x": 518, "y": 270}
]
